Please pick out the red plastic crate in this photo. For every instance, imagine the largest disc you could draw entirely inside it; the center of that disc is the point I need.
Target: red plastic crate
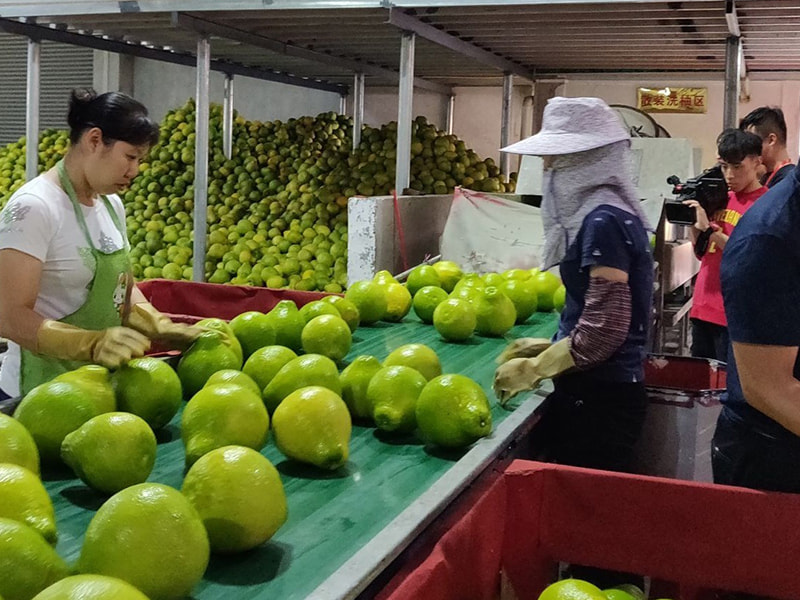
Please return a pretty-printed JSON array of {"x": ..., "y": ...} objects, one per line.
[
  {"x": 189, "y": 302},
  {"x": 692, "y": 538}
]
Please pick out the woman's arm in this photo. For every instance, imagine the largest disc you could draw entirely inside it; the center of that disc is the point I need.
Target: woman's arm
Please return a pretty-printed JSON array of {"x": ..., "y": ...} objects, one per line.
[{"x": 20, "y": 278}]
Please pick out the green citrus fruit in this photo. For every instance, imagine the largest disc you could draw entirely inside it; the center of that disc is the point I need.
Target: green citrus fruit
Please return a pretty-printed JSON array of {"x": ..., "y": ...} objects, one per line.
[
  {"x": 523, "y": 294},
  {"x": 455, "y": 319},
  {"x": 23, "y": 498},
  {"x": 453, "y": 411},
  {"x": 398, "y": 302},
  {"x": 95, "y": 380},
  {"x": 223, "y": 415},
  {"x": 304, "y": 371},
  {"x": 559, "y": 298},
  {"x": 422, "y": 276},
  {"x": 265, "y": 363},
  {"x": 207, "y": 355},
  {"x": 254, "y": 330},
  {"x": 90, "y": 587},
  {"x": 519, "y": 274},
  {"x": 354, "y": 379},
  {"x": 52, "y": 410},
  {"x": 493, "y": 279},
  {"x": 449, "y": 274},
  {"x": 234, "y": 377},
  {"x": 288, "y": 324},
  {"x": 392, "y": 393},
  {"x": 426, "y": 300},
  {"x": 148, "y": 388},
  {"x": 572, "y": 589},
  {"x": 238, "y": 495},
  {"x": 546, "y": 285},
  {"x": 312, "y": 425},
  {"x": 224, "y": 328},
  {"x": 370, "y": 300},
  {"x": 419, "y": 357},
  {"x": 111, "y": 451},
  {"x": 327, "y": 335},
  {"x": 347, "y": 310},
  {"x": 495, "y": 313},
  {"x": 17, "y": 445},
  {"x": 28, "y": 563},
  {"x": 150, "y": 536},
  {"x": 316, "y": 309}
]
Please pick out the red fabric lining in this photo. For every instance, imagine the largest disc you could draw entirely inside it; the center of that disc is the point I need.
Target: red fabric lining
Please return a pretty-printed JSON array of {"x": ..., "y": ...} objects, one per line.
[{"x": 700, "y": 536}]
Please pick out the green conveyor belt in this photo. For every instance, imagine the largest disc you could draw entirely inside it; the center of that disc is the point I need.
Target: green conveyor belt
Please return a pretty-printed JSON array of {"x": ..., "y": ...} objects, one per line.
[{"x": 331, "y": 516}]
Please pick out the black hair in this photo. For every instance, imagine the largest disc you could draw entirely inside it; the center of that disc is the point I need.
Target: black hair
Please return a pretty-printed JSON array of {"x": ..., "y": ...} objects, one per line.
[
  {"x": 733, "y": 145},
  {"x": 766, "y": 120},
  {"x": 118, "y": 116}
]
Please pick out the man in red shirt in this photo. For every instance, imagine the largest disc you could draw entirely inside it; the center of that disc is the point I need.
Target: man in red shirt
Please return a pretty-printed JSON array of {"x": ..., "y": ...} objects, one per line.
[
  {"x": 768, "y": 123},
  {"x": 740, "y": 159}
]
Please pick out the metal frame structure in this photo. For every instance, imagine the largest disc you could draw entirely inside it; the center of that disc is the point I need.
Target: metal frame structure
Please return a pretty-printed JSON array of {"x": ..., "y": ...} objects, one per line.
[{"x": 506, "y": 38}]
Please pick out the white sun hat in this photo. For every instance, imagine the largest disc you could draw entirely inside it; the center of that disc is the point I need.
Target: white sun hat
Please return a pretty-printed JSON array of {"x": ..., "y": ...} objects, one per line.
[{"x": 572, "y": 125}]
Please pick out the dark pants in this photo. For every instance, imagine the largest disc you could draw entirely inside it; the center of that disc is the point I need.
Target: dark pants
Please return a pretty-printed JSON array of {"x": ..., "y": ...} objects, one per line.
[
  {"x": 593, "y": 424},
  {"x": 746, "y": 457},
  {"x": 709, "y": 340}
]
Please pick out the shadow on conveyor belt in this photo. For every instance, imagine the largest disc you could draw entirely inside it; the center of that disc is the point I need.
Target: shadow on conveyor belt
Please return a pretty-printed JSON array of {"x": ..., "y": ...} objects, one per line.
[
  {"x": 56, "y": 472},
  {"x": 260, "y": 565},
  {"x": 166, "y": 434},
  {"x": 451, "y": 454},
  {"x": 84, "y": 496},
  {"x": 292, "y": 468},
  {"x": 397, "y": 439}
]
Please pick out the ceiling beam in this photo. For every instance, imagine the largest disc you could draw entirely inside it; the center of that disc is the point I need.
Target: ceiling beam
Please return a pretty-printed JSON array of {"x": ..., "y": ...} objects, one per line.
[
  {"x": 205, "y": 26},
  {"x": 37, "y": 32},
  {"x": 406, "y": 22}
]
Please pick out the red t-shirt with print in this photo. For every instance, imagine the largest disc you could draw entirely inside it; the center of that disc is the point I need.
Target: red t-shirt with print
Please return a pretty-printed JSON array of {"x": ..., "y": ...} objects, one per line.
[{"x": 707, "y": 300}]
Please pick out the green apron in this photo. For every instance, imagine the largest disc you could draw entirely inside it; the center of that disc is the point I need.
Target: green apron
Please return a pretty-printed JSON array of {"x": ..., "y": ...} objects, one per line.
[{"x": 109, "y": 295}]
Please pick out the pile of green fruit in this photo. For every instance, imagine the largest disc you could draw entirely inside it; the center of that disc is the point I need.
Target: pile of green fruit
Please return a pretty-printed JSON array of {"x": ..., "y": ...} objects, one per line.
[{"x": 277, "y": 209}]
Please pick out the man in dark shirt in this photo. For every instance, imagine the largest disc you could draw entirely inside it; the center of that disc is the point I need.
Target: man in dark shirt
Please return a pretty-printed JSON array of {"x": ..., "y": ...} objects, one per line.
[
  {"x": 768, "y": 123},
  {"x": 757, "y": 440}
]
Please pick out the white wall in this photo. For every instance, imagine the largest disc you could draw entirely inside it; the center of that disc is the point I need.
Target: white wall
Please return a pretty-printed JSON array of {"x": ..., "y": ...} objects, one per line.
[
  {"x": 163, "y": 86},
  {"x": 702, "y": 129},
  {"x": 476, "y": 118},
  {"x": 380, "y": 106}
]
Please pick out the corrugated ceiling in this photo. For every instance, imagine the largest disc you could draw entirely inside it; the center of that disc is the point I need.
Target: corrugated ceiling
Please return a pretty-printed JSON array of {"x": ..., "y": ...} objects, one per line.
[{"x": 545, "y": 39}]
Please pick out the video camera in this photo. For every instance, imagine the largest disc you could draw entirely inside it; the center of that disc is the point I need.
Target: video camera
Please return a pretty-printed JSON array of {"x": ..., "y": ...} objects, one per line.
[{"x": 708, "y": 188}]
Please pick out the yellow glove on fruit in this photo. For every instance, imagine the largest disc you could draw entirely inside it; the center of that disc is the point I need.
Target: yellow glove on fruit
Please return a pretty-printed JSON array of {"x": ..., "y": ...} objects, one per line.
[
  {"x": 110, "y": 347},
  {"x": 520, "y": 374},
  {"x": 145, "y": 319},
  {"x": 524, "y": 348}
]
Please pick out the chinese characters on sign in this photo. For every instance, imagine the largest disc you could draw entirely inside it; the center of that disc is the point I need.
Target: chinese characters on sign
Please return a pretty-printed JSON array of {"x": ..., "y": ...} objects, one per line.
[{"x": 672, "y": 100}]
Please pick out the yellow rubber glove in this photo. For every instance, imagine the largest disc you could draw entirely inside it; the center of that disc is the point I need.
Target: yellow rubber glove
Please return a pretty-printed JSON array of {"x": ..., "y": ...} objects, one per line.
[
  {"x": 520, "y": 374},
  {"x": 524, "y": 348},
  {"x": 146, "y": 319},
  {"x": 110, "y": 347}
]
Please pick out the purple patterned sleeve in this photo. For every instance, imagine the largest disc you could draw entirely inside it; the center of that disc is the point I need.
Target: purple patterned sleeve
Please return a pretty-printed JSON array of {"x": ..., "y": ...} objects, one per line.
[{"x": 604, "y": 323}]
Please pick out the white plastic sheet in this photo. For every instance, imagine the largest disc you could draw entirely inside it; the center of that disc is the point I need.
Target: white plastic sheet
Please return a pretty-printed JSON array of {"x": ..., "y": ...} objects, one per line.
[{"x": 487, "y": 234}]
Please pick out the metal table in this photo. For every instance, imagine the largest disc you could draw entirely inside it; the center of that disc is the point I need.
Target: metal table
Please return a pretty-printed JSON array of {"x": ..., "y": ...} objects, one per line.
[{"x": 343, "y": 527}]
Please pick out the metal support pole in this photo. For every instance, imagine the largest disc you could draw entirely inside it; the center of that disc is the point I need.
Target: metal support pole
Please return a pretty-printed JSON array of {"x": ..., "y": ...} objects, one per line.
[
  {"x": 404, "y": 107},
  {"x": 451, "y": 108},
  {"x": 732, "y": 79},
  {"x": 505, "y": 124},
  {"x": 358, "y": 108},
  {"x": 201, "y": 158},
  {"x": 342, "y": 104},
  {"x": 227, "y": 117},
  {"x": 32, "y": 109}
]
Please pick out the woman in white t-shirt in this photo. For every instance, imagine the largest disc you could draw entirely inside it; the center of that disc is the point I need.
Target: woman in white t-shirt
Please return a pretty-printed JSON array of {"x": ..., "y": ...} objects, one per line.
[{"x": 67, "y": 296}]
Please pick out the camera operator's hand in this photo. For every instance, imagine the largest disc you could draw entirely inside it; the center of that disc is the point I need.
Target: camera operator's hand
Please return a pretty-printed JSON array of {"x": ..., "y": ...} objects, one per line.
[{"x": 702, "y": 223}]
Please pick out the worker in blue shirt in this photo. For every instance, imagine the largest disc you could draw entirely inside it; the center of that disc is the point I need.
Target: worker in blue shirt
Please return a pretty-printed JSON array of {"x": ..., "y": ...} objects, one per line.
[{"x": 757, "y": 440}]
